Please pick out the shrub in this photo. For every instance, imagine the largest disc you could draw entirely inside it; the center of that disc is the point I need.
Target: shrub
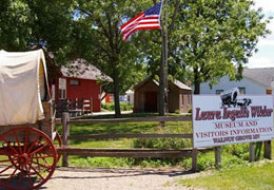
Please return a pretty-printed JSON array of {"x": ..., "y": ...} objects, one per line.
[
  {"x": 111, "y": 107},
  {"x": 108, "y": 106},
  {"x": 160, "y": 143}
]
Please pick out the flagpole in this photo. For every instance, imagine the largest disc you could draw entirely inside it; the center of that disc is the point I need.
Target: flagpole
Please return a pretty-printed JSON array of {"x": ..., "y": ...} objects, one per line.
[{"x": 163, "y": 88}]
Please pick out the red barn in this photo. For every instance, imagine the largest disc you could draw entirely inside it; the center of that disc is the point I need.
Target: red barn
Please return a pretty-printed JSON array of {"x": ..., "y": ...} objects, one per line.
[{"x": 80, "y": 80}]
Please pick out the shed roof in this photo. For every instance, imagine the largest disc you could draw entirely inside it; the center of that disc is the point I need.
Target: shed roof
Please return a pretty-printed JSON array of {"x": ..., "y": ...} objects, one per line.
[
  {"x": 181, "y": 85},
  {"x": 263, "y": 76},
  {"x": 177, "y": 83},
  {"x": 80, "y": 68}
]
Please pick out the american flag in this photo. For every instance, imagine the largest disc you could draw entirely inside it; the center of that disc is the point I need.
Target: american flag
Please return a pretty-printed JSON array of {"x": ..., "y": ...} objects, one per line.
[{"x": 147, "y": 20}]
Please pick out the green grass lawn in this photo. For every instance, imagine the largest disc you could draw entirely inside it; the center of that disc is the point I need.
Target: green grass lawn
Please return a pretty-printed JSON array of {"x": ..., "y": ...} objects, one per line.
[{"x": 252, "y": 177}]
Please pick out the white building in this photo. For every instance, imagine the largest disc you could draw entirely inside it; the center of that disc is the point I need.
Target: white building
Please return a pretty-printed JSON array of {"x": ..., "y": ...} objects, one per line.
[{"x": 255, "y": 81}]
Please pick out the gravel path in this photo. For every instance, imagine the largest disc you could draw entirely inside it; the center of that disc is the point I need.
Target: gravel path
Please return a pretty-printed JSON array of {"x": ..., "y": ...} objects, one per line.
[{"x": 110, "y": 179}]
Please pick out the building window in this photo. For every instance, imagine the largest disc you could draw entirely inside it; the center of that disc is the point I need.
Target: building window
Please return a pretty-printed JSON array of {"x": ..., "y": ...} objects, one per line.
[
  {"x": 219, "y": 91},
  {"x": 74, "y": 82},
  {"x": 62, "y": 90},
  {"x": 242, "y": 90},
  {"x": 62, "y": 94}
]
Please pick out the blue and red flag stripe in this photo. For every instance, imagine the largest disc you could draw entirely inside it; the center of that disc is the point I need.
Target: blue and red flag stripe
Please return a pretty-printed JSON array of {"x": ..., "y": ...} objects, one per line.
[{"x": 147, "y": 20}]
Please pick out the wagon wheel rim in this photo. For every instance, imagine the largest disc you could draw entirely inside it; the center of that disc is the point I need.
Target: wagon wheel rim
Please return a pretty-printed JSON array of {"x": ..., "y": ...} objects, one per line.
[{"x": 30, "y": 159}]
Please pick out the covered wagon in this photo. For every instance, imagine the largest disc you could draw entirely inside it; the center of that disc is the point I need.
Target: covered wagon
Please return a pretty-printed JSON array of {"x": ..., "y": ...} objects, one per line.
[{"x": 27, "y": 154}]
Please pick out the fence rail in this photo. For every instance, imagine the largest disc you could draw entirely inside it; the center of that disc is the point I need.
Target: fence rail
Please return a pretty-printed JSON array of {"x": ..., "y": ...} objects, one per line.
[
  {"x": 129, "y": 119},
  {"x": 138, "y": 153},
  {"x": 139, "y": 136}
]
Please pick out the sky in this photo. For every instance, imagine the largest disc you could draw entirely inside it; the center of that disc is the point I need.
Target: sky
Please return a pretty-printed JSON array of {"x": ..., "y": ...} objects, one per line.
[{"x": 265, "y": 56}]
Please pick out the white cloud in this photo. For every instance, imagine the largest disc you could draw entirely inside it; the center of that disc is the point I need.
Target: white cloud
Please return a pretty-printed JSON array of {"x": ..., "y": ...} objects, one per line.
[
  {"x": 265, "y": 42},
  {"x": 264, "y": 58},
  {"x": 266, "y": 5},
  {"x": 256, "y": 62}
]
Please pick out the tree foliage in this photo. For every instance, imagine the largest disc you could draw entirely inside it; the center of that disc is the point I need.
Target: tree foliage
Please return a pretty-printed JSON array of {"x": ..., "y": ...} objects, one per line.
[
  {"x": 216, "y": 37},
  {"x": 122, "y": 61},
  {"x": 26, "y": 24}
]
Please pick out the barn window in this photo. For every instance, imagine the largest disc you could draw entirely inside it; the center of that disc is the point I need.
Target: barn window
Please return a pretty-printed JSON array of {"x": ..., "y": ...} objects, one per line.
[
  {"x": 74, "y": 82},
  {"x": 62, "y": 94}
]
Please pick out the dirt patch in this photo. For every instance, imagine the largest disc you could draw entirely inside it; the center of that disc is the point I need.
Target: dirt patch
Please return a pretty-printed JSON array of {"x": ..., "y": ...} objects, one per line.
[{"x": 115, "y": 179}]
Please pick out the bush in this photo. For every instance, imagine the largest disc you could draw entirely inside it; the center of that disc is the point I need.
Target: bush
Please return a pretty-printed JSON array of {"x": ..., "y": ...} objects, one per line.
[
  {"x": 159, "y": 143},
  {"x": 126, "y": 106},
  {"x": 238, "y": 150},
  {"x": 111, "y": 107}
]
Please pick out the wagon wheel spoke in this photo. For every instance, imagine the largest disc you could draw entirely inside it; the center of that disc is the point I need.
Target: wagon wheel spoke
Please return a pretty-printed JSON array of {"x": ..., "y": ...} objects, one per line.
[
  {"x": 32, "y": 144},
  {"x": 47, "y": 167},
  {"x": 43, "y": 156},
  {"x": 26, "y": 140},
  {"x": 18, "y": 143},
  {"x": 28, "y": 177},
  {"x": 13, "y": 173},
  {"x": 37, "y": 160},
  {"x": 39, "y": 149},
  {"x": 5, "y": 169},
  {"x": 43, "y": 159},
  {"x": 36, "y": 172}
]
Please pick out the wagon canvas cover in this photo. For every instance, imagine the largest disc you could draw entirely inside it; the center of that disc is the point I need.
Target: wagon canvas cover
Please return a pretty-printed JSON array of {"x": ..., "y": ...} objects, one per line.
[{"x": 21, "y": 87}]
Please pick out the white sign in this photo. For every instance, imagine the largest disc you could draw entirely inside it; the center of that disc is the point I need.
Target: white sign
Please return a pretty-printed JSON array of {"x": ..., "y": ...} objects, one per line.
[{"x": 227, "y": 119}]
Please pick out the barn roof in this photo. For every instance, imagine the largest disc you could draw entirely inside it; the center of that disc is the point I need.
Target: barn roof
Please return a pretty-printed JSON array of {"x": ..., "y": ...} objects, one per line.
[
  {"x": 263, "y": 76},
  {"x": 80, "y": 68}
]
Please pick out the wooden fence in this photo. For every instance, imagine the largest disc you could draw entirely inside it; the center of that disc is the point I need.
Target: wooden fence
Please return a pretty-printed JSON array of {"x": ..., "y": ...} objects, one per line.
[{"x": 66, "y": 150}]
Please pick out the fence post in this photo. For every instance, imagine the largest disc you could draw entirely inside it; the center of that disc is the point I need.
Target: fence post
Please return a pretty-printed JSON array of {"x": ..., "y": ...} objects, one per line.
[
  {"x": 194, "y": 159},
  {"x": 267, "y": 150},
  {"x": 217, "y": 157},
  {"x": 251, "y": 152},
  {"x": 267, "y": 144},
  {"x": 65, "y": 123}
]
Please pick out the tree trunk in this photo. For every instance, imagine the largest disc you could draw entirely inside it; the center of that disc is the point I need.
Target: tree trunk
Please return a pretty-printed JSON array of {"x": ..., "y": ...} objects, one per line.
[
  {"x": 196, "y": 81},
  {"x": 116, "y": 94},
  {"x": 196, "y": 87}
]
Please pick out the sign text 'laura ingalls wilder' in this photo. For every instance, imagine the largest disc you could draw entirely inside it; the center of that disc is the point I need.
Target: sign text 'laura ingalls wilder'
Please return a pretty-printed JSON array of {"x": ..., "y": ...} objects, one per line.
[{"x": 220, "y": 120}]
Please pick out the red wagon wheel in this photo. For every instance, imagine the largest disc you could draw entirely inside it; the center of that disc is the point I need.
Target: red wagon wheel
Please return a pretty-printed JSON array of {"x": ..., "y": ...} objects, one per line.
[{"x": 27, "y": 159}]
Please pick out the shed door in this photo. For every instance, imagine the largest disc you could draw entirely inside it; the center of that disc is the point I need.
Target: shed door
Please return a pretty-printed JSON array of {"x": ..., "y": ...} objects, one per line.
[{"x": 151, "y": 102}]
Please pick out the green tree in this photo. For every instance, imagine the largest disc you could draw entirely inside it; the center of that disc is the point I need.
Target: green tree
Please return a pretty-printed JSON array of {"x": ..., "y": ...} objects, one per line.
[
  {"x": 122, "y": 61},
  {"x": 26, "y": 24},
  {"x": 216, "y": 37}
]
